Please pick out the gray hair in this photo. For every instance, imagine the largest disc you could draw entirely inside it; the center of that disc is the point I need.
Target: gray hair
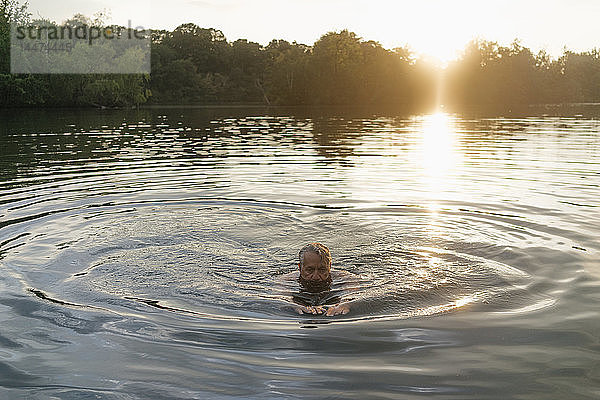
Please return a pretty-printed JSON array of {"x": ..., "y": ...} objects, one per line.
[{"x": 319, "y": 249}]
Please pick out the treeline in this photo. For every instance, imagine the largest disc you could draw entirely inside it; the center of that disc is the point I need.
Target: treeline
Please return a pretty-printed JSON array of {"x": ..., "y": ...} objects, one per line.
[
  {"x": 194, "y": 65},
  {"x": 490, "y": 74},
  {"x": 197, "y": 65},
  {"x": 62, "y": 90}
]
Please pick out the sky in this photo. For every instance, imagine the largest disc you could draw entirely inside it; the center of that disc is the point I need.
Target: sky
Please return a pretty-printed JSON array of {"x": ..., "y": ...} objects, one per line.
[{"x": 436, "y": 28}]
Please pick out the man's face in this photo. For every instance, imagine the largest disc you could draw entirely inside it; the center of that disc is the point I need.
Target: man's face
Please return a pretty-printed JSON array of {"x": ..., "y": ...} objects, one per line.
[{"x": 312, "y": 269}]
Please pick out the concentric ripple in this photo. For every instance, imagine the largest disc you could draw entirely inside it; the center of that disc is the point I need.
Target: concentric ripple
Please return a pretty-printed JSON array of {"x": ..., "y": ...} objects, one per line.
[{"x": 225, "y": 258}]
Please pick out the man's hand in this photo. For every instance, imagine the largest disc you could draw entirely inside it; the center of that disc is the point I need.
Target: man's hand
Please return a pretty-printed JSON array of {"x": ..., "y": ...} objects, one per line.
[
  {"x": 330, "y": 311},
  {"x": 338, "y": 309},
  {"x": 310, "y": 310}
]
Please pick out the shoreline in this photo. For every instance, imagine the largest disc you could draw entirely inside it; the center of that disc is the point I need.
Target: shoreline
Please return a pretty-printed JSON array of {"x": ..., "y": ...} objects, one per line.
[{"x": 304, "y": 106}]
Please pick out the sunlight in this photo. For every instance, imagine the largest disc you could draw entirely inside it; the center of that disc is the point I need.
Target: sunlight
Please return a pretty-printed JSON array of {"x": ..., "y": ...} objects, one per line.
[
  {"x": 451, "y": 306},
  {"x": 464, "y": 301},
  {"x": 440, "y": 52},
  {"x": 441, "y": 39},
  {"x": 438, "y": 152},
  {"x": 439, "y": 158}
]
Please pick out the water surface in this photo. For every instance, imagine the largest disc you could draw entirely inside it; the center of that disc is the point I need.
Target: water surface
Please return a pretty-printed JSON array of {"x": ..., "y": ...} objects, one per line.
[{"x": 141, "y": 254}]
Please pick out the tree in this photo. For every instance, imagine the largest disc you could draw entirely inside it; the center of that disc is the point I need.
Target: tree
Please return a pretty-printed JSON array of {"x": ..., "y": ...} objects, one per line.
[
  {"x": 489, "y": 74},
  {"x": 206, "y": 48},
  {"x": 247, "y": 71},
  {"x": 11, "y": 12},
  {"x": 334, "y": 65},
  {"x": 582, "y": 73},
  {"x": 287, "y": 74}
]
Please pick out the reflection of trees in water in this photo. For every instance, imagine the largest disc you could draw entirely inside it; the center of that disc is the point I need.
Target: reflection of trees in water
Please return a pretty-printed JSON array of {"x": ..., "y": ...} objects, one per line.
[
  {"x": 483, "y": 137},
  {"x": 338, "y": 132},
  {"x": 336, "y": 138},
  {"x": 35, "y": 139}
]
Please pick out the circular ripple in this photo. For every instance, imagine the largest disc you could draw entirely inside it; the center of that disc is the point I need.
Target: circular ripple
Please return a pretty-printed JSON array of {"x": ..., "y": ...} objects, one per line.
[{"x": 228, "y": 258}]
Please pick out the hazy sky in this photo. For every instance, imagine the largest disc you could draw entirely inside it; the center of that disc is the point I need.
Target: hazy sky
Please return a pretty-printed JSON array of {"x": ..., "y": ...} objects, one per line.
[{"x": 436, "y": 27}]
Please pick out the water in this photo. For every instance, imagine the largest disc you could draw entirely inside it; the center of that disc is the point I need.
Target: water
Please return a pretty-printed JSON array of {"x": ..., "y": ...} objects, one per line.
[{"x": 142, "y": 254}]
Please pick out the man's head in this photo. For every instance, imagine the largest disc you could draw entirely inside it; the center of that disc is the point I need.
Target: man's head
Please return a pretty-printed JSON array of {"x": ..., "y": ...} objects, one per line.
[{"x": 315, "y": 267}]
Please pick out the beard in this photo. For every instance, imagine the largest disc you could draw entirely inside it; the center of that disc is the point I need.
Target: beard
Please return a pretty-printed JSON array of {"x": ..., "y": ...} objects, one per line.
[{"x": 315, "y": 286}]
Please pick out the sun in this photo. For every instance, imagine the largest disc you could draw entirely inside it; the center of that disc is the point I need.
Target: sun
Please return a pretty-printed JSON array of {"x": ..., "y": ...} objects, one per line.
[
  {"x": 442, "y": 43},
  {"x": 436, "y": 30},
  {"x": 439, "y": 52}
]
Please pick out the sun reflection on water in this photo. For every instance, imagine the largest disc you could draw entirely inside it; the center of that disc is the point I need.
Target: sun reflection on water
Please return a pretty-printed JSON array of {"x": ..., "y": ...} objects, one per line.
[
  {"x": 417, "y": 160},
  {"x": 438, "y": 148},
  {"x": 439, "y": 157}
]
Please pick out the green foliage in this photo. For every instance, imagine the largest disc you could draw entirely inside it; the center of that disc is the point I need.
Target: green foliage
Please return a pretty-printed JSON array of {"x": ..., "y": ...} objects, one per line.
[
  {"x": 341, "y": 69},
  {"x": 287, "y": 74},
  {"x": 21, "y": 89},
  {"x": 10, "y": 12},
  {"x": 66, "y": 90},
  {"x": 113, "y": 91},
  {"x": 582, "y": 73},
  {"x": 206, "y": 48},
  {"x": 489, "y": 74},
  {"x": 198, "y": 65},
  {"x": 176, "y": 81},
  {"x": 101, "y": 92}
]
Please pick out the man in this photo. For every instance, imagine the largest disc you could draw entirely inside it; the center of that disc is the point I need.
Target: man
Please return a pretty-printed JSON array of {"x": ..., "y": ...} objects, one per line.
[{"x": 314, "y": 265}]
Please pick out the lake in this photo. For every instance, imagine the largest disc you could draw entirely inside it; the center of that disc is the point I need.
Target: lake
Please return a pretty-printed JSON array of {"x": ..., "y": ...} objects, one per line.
[{"x": 141, "y": 253}]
